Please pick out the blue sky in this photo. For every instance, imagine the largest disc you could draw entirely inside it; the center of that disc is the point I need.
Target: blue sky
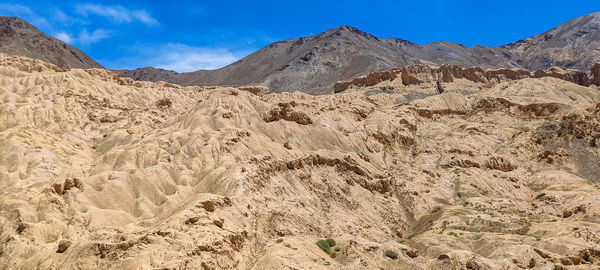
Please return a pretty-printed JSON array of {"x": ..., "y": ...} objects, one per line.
[{"x": 192, "y": 35}]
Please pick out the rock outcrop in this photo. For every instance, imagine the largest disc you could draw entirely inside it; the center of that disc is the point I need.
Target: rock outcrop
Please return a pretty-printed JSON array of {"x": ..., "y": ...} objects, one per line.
[
  {"x": 595, "y": 74},
  {"x": 426, "y": 74}
]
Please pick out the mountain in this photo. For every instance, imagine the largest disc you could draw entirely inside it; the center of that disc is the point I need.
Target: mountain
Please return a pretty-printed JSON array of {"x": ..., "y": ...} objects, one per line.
[
  {"x": 313, "y": 64},
  {"x": 149, "y": 74},
  {"x": 18, "y": 37},
  {"x": 574, "y": 44}
]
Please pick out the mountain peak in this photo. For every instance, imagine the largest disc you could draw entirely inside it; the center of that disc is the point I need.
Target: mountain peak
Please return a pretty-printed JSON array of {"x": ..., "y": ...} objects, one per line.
[
  {"x": 18, "y": 37},
  {"x": 346, "y": 30},
  {"x": 13, "y": 23}
]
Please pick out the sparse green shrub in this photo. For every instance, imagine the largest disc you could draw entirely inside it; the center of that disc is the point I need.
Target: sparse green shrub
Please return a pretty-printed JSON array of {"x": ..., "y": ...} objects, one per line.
[
  {"x": 333, "y": 255},
  {"x": 391, "y": 254},
  {"x": 539, "y": 196},
  {"x": 435, "y": 209},
  {"x": 331, "y": 242},
  {"x": 324, "y": 245},
  {"x": 278, "y": 241},
  {"x": 337, "y": 249},
  {"x": 427, "y": 191}
]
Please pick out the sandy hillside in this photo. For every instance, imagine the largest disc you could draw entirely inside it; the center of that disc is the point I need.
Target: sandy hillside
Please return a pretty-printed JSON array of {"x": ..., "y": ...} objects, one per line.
[{"x": 102, "y": 172}]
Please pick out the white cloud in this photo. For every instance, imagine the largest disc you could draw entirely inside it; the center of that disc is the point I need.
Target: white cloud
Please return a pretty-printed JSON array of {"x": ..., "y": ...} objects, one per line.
[
  {"x": 118, "y": 14},
  {"x": 15, "y": 8},
  {"x": 183, "y": 58},
  {"x": 144, "y": 17},
  {"x": 64, "y": 37},
  {"x": 174, "y": 56},
  {"x": 84, "y": 37}
]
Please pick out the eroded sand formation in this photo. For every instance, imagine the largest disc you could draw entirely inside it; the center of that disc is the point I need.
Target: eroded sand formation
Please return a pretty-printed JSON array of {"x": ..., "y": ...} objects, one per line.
[{"x": 101, "y": 172}]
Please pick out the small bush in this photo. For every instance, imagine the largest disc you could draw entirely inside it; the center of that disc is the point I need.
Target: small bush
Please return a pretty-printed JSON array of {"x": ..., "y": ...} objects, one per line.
[
  {"x": 391, "y": 254},
  {"x": 337, "y": 249},
  {"x": 427, "y": 191},
  {"x": 333, "y": 255},
  {"x": 331, "y": 242},
  {"x": 278, "y": 241},
  {"x": 324, "y": 245},
  {"x": 435, "y": 209},
  {"x": 539, "y": 196}
]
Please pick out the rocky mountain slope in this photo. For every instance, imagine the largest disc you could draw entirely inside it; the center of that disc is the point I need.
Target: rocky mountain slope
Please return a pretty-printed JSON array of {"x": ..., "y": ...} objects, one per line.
[
  {"x": 149, "y": 74},
  {"x": 102, "y": 172},
  {"x": 574, "y": 44},
  {"x": 313, "y": 64},
  {"x": 18, "y": 37}
]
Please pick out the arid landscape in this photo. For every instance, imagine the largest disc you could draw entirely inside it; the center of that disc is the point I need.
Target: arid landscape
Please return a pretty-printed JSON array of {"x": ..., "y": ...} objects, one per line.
[{"x": 411, "y": 165}]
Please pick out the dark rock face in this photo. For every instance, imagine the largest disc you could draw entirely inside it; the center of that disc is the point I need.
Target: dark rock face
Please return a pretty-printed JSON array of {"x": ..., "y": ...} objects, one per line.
[
  {"x": 573, "y": 45},
  {"x": 595, "y": 74},
  {"x": 149, "y": 74},
  {"x": 17, "y": 37}
]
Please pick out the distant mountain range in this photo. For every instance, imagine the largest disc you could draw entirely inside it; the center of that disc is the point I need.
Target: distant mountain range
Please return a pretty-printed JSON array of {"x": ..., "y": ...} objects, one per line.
[{"x": 314, "y": 64}]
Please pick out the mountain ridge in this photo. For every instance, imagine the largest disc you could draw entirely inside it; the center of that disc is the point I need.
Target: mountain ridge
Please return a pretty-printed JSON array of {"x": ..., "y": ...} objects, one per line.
[
  {"x": 315, "y": 63},
  {"x": 18, "y": 37},
  {"x": 575, "y": 39}
]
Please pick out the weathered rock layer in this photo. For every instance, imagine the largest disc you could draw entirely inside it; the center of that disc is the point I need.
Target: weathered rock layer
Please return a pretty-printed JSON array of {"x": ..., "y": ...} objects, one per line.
[{"x": 425, "y": 74}]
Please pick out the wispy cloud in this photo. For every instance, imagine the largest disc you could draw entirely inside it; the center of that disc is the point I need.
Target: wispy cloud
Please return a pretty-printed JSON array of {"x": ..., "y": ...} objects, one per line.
[
  {"x": 64, "y": 37},
  {"x": 118, "y": 14},
  {"x": 183, "y": 58},
  {"x": 15, "y": 8},
  {"x": 23, "y": 12},
  {"x": 175, "y": 56},
  {"x": 84, "y": 37}
]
